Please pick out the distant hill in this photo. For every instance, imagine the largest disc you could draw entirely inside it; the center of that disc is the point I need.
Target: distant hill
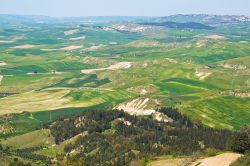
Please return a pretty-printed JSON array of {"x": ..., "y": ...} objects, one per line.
[
  {"x": 180, "y": 18},
  {"x": 170, "y": 24},
  {"x": 204, "y": 18}
]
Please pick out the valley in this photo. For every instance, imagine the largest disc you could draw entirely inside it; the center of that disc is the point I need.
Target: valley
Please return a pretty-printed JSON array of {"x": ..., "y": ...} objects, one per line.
[{"x": 60, "y": 69}]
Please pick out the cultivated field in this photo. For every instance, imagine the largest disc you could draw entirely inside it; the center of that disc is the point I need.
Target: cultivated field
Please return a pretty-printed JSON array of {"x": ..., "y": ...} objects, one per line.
[{"x": 61, "y": 68}]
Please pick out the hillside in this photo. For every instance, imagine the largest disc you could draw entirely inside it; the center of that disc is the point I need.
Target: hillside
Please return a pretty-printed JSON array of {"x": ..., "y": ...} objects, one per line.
[
  {"x": 85, "y": 139},
  {"x": 191, "y": 25},
  {"x": 54, "y": 69}
]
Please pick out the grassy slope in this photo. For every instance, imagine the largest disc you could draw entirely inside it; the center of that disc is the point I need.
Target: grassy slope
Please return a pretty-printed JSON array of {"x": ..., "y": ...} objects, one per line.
[
  {"x": 171, "y": 83},
  {"x": 27, "y": 140}
]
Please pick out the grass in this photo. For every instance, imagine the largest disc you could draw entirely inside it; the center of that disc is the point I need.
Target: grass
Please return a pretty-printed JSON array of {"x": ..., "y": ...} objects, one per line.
[
  {"x": 33, "y": 101},
  {"x": 36, "y": 101},
  {"x": 27, "y": 122},
  {"x": 200, "y": 84},
  {"x": 24, "y": 70},
  {"x": 27, "y": 140},
  {"x": 81, "y": 80},
  {"x": 168, "y": 160},
  {"x": 220, "y": 112},
  {"x": 177, "y": 88},
  {"x": 24, "y": 83},
  {"x": 173, "y": 84},
  {"x": 52, "y": 151}
]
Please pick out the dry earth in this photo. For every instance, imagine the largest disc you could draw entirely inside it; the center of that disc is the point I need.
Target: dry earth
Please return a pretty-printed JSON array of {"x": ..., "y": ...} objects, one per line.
[
  {"x": 69, "y": 48},
  {"x": 202, "y": 74},
  {"x": 92, "y": 48},
  {"x": 216, "y": 37},
  {"x": 141, "y": 106},
  {"x": 224, "y": 159},
  {"x": 3, "y": 64},
  {"x": 201, "y": 43},
  {"x": 25, "y": 46},
  {"x": 161, "y": 117},
  {"x": 136, "y": 107},
  {"x": 120, "y": 65},
  {"x": 48, "y": 49},
  {"x": 234, "y": 66},
  {"x": 237, "y": 94},
  {"x": 172, "y": 60},
  {"x": 1, "y": 77},
  {"x": 71, "y": 32},
  {"x": 170, "y": 162},
  {"x": 7, "y": 41},
  {"x": 78, "y": 38}
]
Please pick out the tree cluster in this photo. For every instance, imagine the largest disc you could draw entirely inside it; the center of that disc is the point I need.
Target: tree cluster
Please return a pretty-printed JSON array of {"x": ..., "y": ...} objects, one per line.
[{"x": 117, "y": 138}]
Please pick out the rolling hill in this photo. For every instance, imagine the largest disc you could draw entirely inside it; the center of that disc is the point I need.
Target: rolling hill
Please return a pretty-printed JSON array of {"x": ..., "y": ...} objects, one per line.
[{"x": 53, "y": 70}]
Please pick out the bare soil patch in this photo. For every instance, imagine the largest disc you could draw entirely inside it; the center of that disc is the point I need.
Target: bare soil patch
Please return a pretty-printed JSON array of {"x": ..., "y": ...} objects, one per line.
[
  {"x": 78, "y": 38},
  {"x": 25, "y": 46},
  {"x": 172, "y": 60},
  {"x": 120, "y": 65},
  {"x": 162, "y": 117},
  {"x": 201, "y": 43},
  {"x": 69, "y": 48},
  {"x": 224, "y": 159},
  {"x": 170, "y": 162},
  {"x": 1, "y": 78},
  {"x": 48, "y": 49},
  {"x": 202, "y": 73},
  {"x": 7, "y": 41},
  {"x": 234, "y": 66},
  {"x": 137, "y": 107},
  {"x": 237, "y": 94},
  {"x": 71, "y": 32},
  {"x": 215, "y": 37},
  {"x": 3, "y": 64},
  {"x": 93, "y": 48}
]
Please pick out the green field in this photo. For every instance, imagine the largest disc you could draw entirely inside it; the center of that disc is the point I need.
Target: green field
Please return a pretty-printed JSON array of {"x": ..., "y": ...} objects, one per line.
[
  {"x": 178, "y": 67},
  {"x": 62, "y": 68}
]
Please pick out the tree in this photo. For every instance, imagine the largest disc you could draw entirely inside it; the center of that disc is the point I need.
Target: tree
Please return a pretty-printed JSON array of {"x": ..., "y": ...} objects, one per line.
[{"x": 241, "y": 143}]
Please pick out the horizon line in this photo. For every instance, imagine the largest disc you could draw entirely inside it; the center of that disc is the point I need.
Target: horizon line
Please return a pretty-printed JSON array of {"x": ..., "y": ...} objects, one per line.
[{"x": 54, "y": 16}]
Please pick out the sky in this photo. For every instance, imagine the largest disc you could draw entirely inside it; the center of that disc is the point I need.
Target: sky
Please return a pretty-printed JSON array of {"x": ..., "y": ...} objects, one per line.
[{"x": 61, "y": 8}]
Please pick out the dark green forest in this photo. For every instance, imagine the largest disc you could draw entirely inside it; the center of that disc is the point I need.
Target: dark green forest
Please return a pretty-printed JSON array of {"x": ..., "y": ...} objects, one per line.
[{"x": 117, "y": 138}]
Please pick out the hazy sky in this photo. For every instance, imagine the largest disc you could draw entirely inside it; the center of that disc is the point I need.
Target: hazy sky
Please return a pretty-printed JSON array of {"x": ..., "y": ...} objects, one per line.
[{"x": 123, "y": 7}]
